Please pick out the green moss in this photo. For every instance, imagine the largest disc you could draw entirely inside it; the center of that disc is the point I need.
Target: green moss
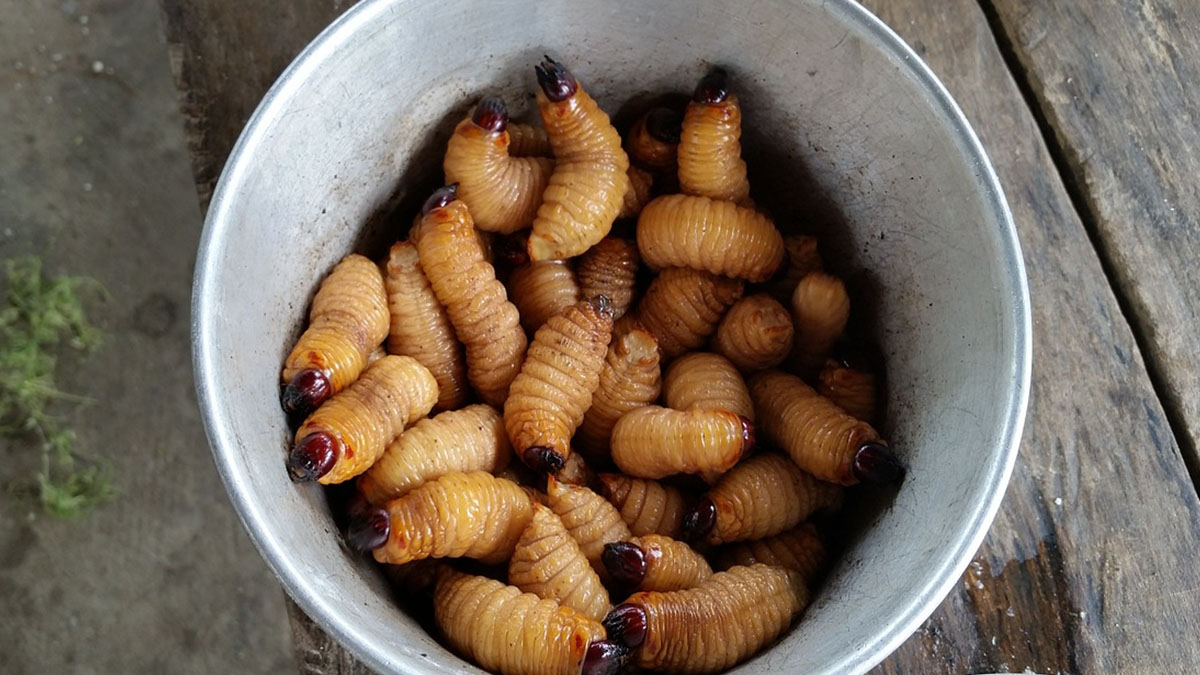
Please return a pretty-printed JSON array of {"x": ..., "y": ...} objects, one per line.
[{"x": 39, "y": 318}]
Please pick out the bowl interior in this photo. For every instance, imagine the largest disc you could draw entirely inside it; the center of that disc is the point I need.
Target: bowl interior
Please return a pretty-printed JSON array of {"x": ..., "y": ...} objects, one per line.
[{"x": 848, "y": 137}]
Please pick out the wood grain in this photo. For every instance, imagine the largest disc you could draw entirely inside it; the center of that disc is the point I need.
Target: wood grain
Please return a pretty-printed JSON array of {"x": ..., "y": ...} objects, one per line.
[
  {"x": 1081, "y": 572},
  {"x": 1092, "y": 583},
  {"x": 1121, "y": 101}
]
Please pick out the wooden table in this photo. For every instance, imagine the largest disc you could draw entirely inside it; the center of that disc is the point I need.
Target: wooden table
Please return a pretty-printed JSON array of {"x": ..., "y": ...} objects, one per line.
[{"x": 1091, "y": 113}]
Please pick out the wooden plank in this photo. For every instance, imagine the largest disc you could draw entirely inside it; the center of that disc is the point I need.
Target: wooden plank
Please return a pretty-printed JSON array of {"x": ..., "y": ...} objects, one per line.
[
  {"x": 1073, "y": 586},
  {"x": 1121, "y": 101},
  {"x": 1082, "y": 570}
]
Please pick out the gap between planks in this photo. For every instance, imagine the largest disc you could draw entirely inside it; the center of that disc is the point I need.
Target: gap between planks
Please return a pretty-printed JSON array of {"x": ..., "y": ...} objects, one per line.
[{"x": 1085, "y": 208}]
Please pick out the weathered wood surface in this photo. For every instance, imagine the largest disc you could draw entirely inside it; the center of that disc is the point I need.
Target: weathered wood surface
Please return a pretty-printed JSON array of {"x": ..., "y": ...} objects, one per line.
[
  {"x": 1087, "y": 568},
  {"x": 1121, "y": 100}
]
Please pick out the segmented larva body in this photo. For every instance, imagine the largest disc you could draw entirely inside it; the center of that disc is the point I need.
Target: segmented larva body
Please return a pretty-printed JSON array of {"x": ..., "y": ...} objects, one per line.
[
  {"x": 666, "y": 564},
  {"x": 801, "y": 258},
  {"x": 548, "y": 563},
  {"x": 610, "y": 269},
  {"x": 502, "y": 190},
  {"x": 655, "y": 442},
  {"x": 820, "y": 309},
  {"x": 630, "y": 378},
  {"x": 591, "y": 521},
  {"x": 851, "y": 389},
  {"x": 729, "y": 617},
  {"x": 646, "y": 506},
  {"x": 526, "y": 140},
  {"x": 765, "y": 495},
  {"x": 755, "y": 334},
  {"x": 708, "y": 382},
  {"x": 459, "y": 515},
  {"x": 682, "y": 308},
  {"x": 653, "y": 141},
  {"x": 710, "y": 151},
  {"x": 485, "y": 321},
  {"x": 471, "y": 439},
  {"x": 348, "y": 319},
  {"x": 710, "y": 235},
  {"x": 509, "y": 632},
  {"x": 799, "y": 549},
  {"x": 554, "y": 389},
  {"x": 820, "y": 437},
  {"x": 587, "y": 187},
  {"x": 541, "y": 290},
  {"x": 638, "y": 194},
  {"x": 420, "y": 327},
  {"x": 360, "y": 421}
]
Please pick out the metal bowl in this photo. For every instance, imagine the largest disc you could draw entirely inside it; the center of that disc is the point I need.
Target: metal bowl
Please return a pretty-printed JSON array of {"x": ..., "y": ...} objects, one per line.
[{"x": 849, "y": 136}]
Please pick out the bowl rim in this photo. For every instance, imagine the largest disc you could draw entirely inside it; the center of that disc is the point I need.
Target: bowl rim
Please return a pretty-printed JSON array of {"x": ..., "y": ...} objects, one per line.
[{"x": 205, "y": 315}]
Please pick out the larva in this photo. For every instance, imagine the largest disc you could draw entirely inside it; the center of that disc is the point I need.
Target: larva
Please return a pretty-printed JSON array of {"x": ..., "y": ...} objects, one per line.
[
  {"x": 513, "y": 633},
  {"x": 801, "y": 258},
  {"x": 502, "y": 190},
  {"x": 525, "y": 140},
  {"x": 554, "y": 388},
  {"x": 349, "y": 318},
  {"x": 655, "y": 563},
  {"x": 820, "y": 309},
  {"x": 654, "y": 442},
  {"x": 471, "y": 439},
  {"x": 459, "y": 515},
  {"x": 759, "y": 497},
  {"x": 755, "y": 334},
  {"x": 799, "y": 549},
  {"x": 485, "y": 321},
  {"x": 708, "y": 382},
  {"x": 709, "y": 628},
  {"x": 710, "y": 152},
  {"x": 710, "y": 235},
  {"x": 646, "y": 506},
  {"x": 820, "y": 437},
  {"x": 637, "y": 194},
  {"x": 682, "y": 308},
  {"x": 345, "y": 436},
  {"x": 588, "y": 184},
  {"x": 653, "y": 140},
  {"x": 610, "y": 269},
  {"x": 591, "y": 521},
  {"x": 420, "y": 327},
  {"x": 541, "y": 290},
  {"x": 851, "y": 389},
  {"x": 630, "y": 378},
  {"x": 548, "y": 563}
]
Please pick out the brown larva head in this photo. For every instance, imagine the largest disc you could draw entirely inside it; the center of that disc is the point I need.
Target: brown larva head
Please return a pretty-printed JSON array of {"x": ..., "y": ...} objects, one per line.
[
  {"x": 699, "y": 520},
  {"x": 602, "y": 305},
  {"x": 555, "y": 80},
  {"x": 307, "y": 390},
  {"x": 368, "y": 529},
  {"x": 748, "y": 435},
  {"x": 604, "y": 658},
  {"x": 874, "y": 462},
  {"x": 626, "y": 625},
  {"x": 510, "y": 250},
  {"x": 664, "y": 125},
  {"x": 625, "y": 562},
  {"x": 713, "y": 87},
  {"x": 544, "y": 459},
  {"x": 313, "y": 457},
  {"x": 440, "y": 198},
  {"x": 491, "y": 114}
]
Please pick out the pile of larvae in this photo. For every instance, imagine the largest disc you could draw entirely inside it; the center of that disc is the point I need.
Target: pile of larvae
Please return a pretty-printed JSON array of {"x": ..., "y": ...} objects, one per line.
[{"x": 670, "y": 398}]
